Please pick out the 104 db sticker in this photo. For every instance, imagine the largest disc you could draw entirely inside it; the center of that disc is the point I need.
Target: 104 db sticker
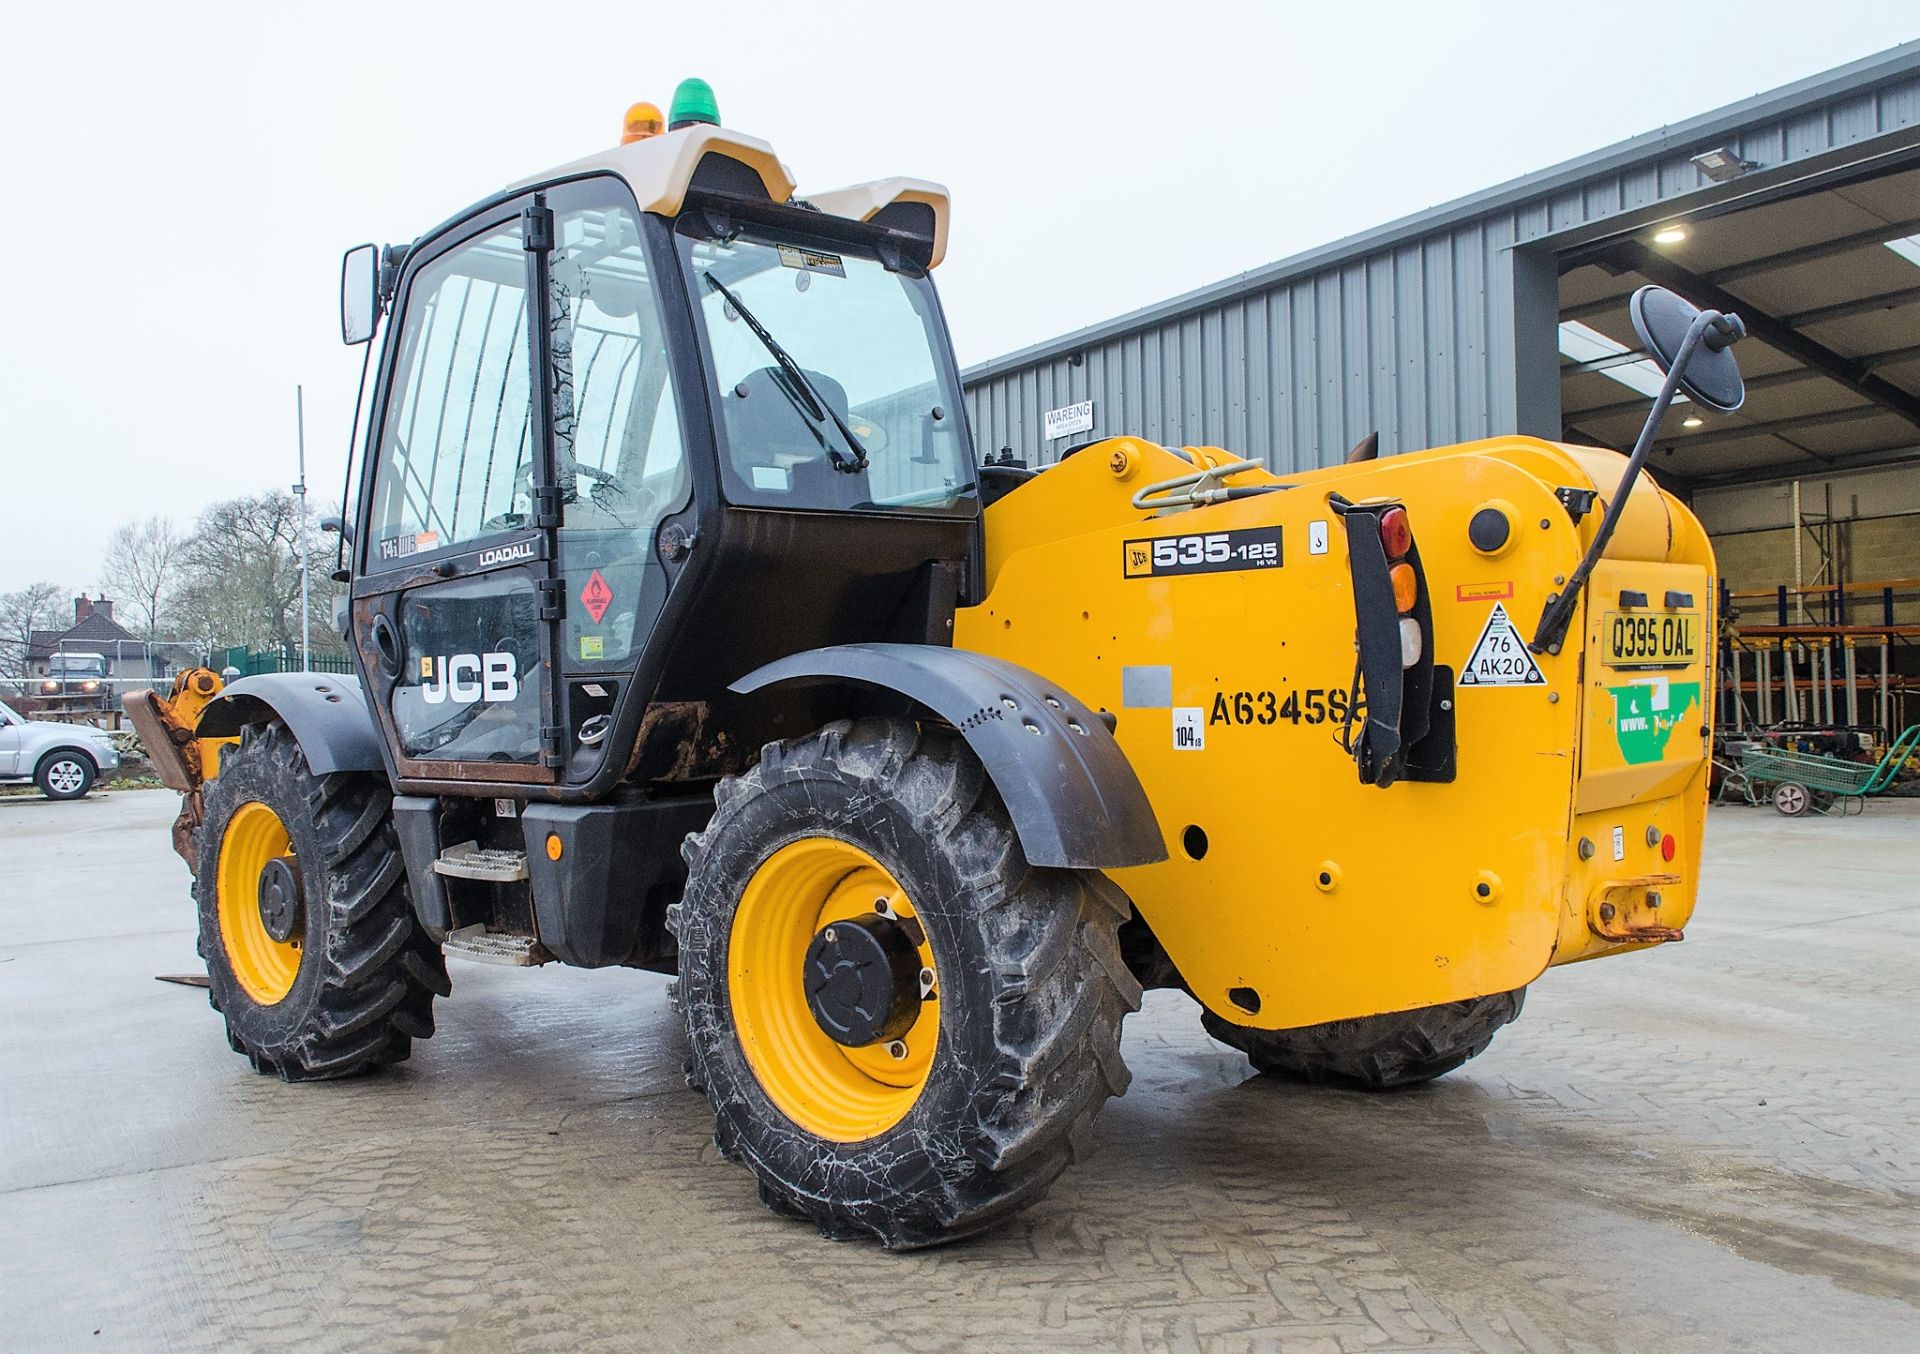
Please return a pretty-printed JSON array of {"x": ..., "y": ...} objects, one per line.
[{"x": 1214, "y": 552}]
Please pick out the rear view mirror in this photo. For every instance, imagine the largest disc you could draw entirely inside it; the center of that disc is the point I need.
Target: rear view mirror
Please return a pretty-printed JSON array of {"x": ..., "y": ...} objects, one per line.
[
  {"x": 1710, "y": 377},
  {"x": 359, "y": 294}
]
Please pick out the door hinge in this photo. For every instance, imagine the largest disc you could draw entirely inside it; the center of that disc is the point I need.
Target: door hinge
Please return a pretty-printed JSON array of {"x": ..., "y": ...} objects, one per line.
[
  {"x": 553, "y": 742},
  {"x": 547, "y": 506},
  {"x": 536, "y": 228},
  {"x": 553, "y": 598}
]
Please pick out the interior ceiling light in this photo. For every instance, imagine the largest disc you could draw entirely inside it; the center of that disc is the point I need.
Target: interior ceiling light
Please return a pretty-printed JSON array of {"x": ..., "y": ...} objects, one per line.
[
  {"x": 1583, "y": 343},
  {"x": 1907, "y": 247},
  {"x": 1722, "y": 165},
  {"x": 1692, "y": 421},
  {"x": 1670, "y": 235}
]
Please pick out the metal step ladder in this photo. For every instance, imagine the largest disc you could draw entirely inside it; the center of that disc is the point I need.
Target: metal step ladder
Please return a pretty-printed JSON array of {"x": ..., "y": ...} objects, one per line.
[
  {"x": 470, "y": 860},
  {"x": 495, "y": 947}
]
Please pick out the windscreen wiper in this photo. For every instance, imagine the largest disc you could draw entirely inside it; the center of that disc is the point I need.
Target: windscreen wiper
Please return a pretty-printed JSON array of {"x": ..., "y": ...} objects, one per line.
[{"x": 808, "y": 399}]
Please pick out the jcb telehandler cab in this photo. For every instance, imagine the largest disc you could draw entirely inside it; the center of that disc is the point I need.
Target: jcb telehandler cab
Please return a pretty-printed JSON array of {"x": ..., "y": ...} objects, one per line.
[{"x": 691, "y": 636}]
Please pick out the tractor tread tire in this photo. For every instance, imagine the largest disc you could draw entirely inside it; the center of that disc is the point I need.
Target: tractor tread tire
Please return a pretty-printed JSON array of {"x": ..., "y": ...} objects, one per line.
[
  {"x": 1377, "y": 1052},
  {"x": 370, "y": 994},
  {"x": 1023, "y": 1065}
]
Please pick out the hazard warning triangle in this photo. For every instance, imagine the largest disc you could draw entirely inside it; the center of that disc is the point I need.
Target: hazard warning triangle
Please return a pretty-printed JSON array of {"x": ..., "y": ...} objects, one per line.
[{"x": 1500, "y": 657}]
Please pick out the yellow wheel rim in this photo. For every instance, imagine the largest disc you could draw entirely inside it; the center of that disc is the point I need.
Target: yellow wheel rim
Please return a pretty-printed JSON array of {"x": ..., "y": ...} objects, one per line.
[
  {"x": 264, "y": 967},
  {"x": 834, "y": 1092}
]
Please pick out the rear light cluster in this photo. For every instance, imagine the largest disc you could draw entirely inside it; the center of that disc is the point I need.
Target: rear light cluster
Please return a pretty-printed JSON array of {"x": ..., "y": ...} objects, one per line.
[{"x": 1396, "y": 539}]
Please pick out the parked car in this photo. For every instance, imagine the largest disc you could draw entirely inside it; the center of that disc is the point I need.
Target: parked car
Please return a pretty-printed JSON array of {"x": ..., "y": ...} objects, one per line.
[
  {"x": 62, "y": 759},
  {"x": 76, "y": 681}
]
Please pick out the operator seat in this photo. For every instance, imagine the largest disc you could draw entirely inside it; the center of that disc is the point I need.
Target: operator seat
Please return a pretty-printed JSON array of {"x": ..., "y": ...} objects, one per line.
[{"x": 765, "y": 431}]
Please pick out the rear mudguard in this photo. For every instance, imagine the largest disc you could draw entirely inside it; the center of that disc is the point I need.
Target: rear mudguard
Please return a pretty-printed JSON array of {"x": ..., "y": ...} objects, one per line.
[
  {"x": 327, "y": 713},
  {"x": 1075, "y": 800}
]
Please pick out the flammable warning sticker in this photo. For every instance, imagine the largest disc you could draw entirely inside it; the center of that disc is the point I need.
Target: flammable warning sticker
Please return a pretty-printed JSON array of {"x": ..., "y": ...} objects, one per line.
[{"x": 1500, "y": 657}]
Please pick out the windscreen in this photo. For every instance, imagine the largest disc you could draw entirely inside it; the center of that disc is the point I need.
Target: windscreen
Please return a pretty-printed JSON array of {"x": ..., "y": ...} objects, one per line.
[{"x": 835, "y": 388}]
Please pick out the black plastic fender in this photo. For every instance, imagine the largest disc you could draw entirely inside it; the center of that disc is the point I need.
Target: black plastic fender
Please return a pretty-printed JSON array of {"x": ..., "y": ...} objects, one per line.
[
  {"x": 327, "y": 712},
  {"x": 1075, "y": 800}
]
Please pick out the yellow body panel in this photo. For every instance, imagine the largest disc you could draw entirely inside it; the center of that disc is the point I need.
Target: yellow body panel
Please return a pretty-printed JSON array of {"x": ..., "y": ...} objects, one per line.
[{"x": 1289, "y": 877}]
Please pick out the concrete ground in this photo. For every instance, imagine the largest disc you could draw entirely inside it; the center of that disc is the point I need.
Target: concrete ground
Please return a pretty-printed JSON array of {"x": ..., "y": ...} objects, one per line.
[{"x": 1713, "y": 1146}]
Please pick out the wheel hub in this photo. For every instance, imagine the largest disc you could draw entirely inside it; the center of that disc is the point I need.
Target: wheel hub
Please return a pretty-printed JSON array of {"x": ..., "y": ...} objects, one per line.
[
  {"x": 280, "y": 898},
  {"x": 862, "y": 980}
]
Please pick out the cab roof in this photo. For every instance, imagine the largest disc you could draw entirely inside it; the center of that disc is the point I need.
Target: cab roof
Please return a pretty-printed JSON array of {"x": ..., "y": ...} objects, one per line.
[{"x": 661, "y": 172}]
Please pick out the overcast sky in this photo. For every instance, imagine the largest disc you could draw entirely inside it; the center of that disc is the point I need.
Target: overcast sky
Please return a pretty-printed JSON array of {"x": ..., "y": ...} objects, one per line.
[{"x": 184, "y": 177}]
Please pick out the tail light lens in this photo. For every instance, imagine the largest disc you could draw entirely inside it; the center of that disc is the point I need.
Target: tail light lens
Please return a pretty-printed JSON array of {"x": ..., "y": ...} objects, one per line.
[
  {"x": 1410, "y": 646},
  {"x": 1396, "y": 532}
]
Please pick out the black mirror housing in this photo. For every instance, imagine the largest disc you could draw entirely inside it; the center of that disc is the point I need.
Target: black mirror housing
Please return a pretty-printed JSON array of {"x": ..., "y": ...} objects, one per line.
[{"x": 359, "y": 294}]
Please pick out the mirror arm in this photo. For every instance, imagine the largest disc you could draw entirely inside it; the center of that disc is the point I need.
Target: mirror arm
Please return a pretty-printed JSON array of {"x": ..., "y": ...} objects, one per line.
[{"x": 1717, "y": 331}]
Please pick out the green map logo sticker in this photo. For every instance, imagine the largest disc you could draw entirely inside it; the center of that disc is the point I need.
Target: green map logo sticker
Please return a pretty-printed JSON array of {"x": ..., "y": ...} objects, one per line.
[{"x": 1645, "y": 715}]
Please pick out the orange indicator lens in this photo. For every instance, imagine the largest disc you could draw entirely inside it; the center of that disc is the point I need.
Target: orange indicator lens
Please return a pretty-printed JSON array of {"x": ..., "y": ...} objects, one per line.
[{"x": 1406, "y": 588}]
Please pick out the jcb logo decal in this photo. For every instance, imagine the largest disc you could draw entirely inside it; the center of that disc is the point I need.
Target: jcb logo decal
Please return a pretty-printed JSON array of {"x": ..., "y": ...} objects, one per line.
[{"x": 465, "y": 678}]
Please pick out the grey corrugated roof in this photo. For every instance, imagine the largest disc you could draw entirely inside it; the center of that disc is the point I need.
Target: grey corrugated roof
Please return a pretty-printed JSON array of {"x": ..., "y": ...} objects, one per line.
[{"x": 1702, "y": 131}]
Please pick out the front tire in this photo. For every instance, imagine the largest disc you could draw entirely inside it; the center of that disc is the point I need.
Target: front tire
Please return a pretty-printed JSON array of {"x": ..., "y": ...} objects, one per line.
[
  {"x": 998, "y": 1071},
  {"x": 64, "y": 775},
  {"x": 313, "y": 952},
  {"x": 1377, "y": 1052}
]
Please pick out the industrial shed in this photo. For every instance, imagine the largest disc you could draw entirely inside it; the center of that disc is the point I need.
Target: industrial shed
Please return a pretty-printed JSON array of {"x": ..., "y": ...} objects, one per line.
[{"x": 1506, "y": 312}]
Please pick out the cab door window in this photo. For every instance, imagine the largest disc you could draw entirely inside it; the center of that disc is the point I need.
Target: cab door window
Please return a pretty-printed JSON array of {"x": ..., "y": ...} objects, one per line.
[
  {"x": 619, "y": 461},
  {"x": 456, "y": 450}
]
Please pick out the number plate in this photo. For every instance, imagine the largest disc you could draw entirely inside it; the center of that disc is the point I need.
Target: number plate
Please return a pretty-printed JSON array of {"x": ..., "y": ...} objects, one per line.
[
  {"x": 1213, "y": 553},
  {"x": 1638, "y": 640}
]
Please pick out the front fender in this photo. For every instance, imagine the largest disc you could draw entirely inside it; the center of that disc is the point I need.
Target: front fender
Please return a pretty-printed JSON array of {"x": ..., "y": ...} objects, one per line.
[
  {"x": 1073, "y": 796},
  {"x": 327, "y": 713}
]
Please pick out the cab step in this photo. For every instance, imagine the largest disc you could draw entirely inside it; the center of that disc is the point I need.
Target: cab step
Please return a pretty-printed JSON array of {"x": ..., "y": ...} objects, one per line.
[
  {"x": 470, "y": 860},
  {"x": 495, "y": 947}
]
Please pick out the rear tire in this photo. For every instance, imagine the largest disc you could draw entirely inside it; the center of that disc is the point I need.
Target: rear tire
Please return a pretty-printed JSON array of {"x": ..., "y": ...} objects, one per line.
[
  {"x": 64, "y": 775},
  {"x": 1031, "y": 991},
  {"x": 352, "y": 985},
  {"x": 1378, "y": 1052}
]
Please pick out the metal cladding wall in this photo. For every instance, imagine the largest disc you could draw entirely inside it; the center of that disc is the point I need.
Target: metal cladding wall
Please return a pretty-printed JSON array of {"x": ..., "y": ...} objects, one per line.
[{"x": 1438, "y": 328}]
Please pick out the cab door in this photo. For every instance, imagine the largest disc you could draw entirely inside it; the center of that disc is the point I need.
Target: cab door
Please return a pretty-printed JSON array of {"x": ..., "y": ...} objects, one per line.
[
  {"x": 455, "y": 601},
  {"x": 510, "y": 580}
]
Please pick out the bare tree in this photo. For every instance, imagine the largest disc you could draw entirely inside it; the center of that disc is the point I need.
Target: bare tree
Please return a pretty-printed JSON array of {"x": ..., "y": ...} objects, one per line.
[
  {"x": 239, "y": 577},
  {"x": 34, "y": 607},
  {"x": 141, "y": 567}
]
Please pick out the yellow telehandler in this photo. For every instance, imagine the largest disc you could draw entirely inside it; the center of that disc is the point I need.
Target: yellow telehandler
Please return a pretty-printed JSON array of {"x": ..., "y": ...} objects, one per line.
[{"x": 691, "y": 635}]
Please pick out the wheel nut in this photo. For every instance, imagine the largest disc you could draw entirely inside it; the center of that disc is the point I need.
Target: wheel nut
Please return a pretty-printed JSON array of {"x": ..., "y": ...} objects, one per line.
[
  {"x": 898, "y": 1050},
  {"x": 1606, "y": 912}
]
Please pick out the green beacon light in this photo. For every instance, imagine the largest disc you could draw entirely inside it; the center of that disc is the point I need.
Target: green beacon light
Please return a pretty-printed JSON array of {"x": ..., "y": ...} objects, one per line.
[{"x": 692, "y": 102}]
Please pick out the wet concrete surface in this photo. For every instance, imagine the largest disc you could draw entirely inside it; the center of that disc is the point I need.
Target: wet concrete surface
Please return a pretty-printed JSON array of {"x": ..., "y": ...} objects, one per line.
[{"x": 1712, "y": 1146}]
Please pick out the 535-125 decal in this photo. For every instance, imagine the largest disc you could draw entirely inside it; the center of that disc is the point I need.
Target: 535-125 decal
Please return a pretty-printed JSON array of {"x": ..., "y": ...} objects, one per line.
[{"x": 1213, "y": 552}]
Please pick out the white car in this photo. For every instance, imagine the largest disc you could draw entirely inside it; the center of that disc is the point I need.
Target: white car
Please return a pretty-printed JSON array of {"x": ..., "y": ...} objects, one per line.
[{"x": 62, "y": 759}]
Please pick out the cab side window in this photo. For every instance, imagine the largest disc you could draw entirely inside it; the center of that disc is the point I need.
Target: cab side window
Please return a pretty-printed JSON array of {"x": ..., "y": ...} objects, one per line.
[{"x": 456, "y": 450}]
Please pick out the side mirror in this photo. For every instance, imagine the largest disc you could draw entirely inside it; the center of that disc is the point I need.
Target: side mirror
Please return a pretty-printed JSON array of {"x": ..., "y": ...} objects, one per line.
[
  {"x": 1711, "y": 376},
  {"x": 359, "y": 294}
]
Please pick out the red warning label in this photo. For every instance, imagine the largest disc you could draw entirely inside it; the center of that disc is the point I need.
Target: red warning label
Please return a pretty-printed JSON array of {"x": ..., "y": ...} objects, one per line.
[{"x": 596, "y": 597}]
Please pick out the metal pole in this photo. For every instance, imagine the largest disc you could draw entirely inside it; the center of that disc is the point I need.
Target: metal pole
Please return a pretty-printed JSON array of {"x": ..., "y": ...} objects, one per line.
[
  {"x": 1853, "y": 689},
  {"x": 1886, "y": 709},
  {"x": 300, "y": 491},
  {"x": 1799, "y": 579},
  {"x": 1763, "y": 686},
  {"x": 1792, "y": 702},
  {"x": 1739, "y": 701}
]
